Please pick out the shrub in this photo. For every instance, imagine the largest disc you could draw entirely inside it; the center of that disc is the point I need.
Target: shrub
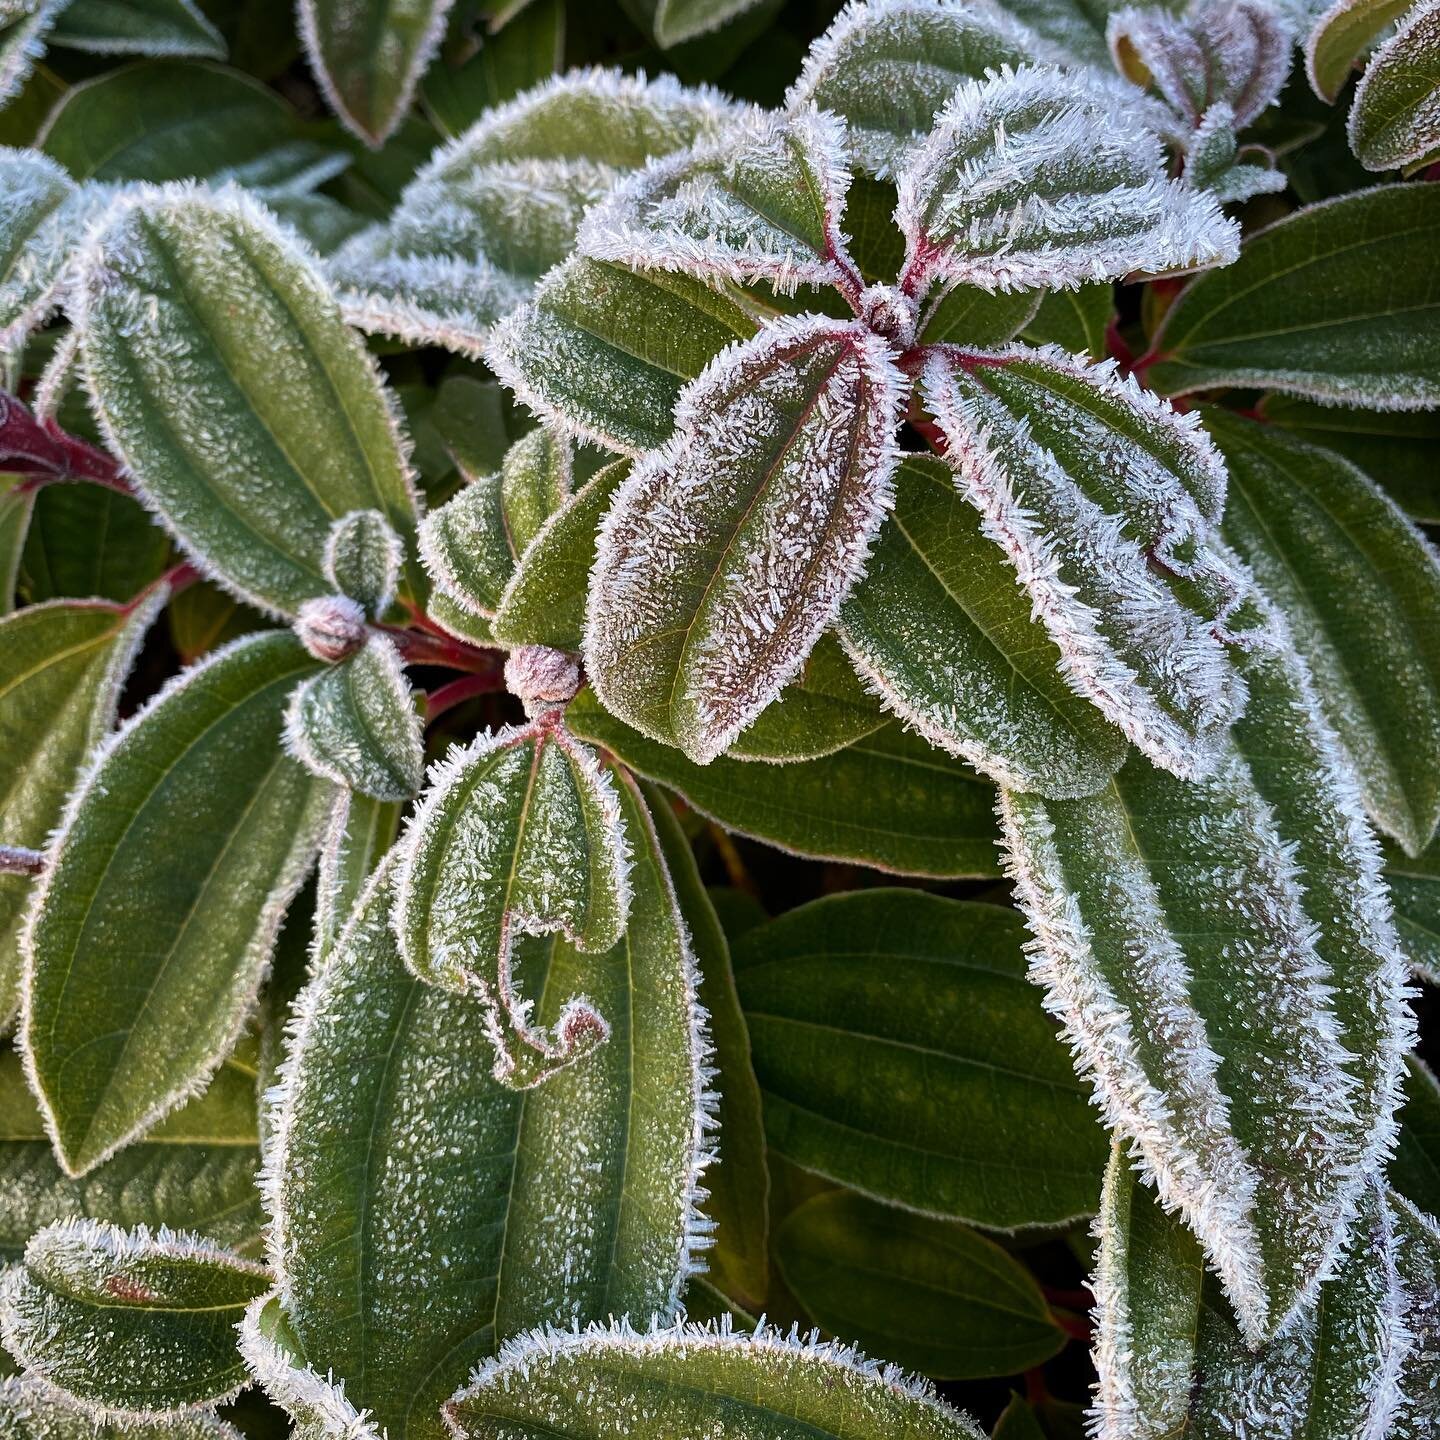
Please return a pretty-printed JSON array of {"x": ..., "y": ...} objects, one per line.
[{"x": 999, "y": 459}]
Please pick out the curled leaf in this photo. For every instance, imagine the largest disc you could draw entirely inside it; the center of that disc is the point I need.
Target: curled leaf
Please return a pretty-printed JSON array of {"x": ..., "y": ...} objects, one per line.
[
  {"x": 727, "y": 552},
  {"x": 362, "y": 558},
  {"x": 1394, "y": 119}
]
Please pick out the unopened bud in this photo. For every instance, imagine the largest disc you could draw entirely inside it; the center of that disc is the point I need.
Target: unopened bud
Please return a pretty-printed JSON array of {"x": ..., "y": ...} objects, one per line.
[
  {"x": 541, "y": 677},
  {"x": 890, "y": 313},
  {"x": 331, "y": 628}
]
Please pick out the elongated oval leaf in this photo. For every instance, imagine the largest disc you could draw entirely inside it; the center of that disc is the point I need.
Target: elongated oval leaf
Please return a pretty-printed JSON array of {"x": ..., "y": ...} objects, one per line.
[
  {"x": 29, "y": 1410},
  {"x": 971, "y": 204},
  {"x": 163, "y": 891},
  {"x": 529, "y": 1208},
  {"x": 902, "y": 1053},
  {"x": 355, "y": 723},
  {"x": 765, "y": 201},
  {"x": 1340, "y": 37},
  {"x": 692, "y": 1382},
  {"x": 498, "y": 207},
  {"x": 368, "y": 58},
  {"x": 929, "y": 1294},
  {"x": 1172, "y": 1361},
  {"x": 1102, "y": 499},
  {"x": 605, "y": 353},
  {"x": 359, "y": 832},
  {"x": 362, "y": 559},
  {"x": 887, "y": 69},
  {"x": 126, "y": 1322},
  {"x": 42, "y": 208},
  {"x": 1336, "y": 302},
  {"x": 1224, "y": 960},
  {"x": 62, "y": 664},
  {"x": 1361, "y": 589},
  {"x": 1395, "y": 117},
  {"x": 948, "y": 642},
  {"x": 195, "y": 1170},
  {"x": 250, "y": 418},
  {"x": 137, "y": 27},
  {"x": 726, "y": 553},
  {"x": 888, "y": 800},
  {"x": 519, "y": 833}
]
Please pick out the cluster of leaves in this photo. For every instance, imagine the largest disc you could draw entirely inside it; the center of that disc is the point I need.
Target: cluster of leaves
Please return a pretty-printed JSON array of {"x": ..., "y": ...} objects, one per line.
[{"x": 995, "y": 451}]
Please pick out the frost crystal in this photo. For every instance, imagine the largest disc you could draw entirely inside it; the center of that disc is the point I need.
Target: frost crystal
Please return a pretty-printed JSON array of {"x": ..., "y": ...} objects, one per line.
[
  {"x": 727, "y": 552},
  {"x": 1034, "y": 179}
]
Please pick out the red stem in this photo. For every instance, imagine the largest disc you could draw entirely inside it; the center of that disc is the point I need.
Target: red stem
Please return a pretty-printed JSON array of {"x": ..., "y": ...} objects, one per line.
[
  {"x": 457, "y": 692},
  {"x": 429, "y": 646}
]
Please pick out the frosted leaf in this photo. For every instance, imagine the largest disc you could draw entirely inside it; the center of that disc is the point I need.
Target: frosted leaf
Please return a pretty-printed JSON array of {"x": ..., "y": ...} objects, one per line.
[
  {"x": 1395, "y": 117},
  {"x": 1223, "y": 957},
  {"x": 331, "y": 627},
  {"x": 1341, "y": 36},
  {"x": 1232, "y": 52},
  {"x": 1211, "y": 162},
  {"x": 518, "y": 834},
  {"x": 22, "y": 42},
  {"x": 1035, "y": 179},
  {"x": 499, "y": 206},
  {"x": 31, "y": 1410},
  {"x": 726, "y": 553},
  {"x": 362, "y": 558},
  {"x": 1171, "y": 1360},
  {"x": 355, "y": 723},
  {"x": 249, "y": 416},
  {"x": 765, "y": 201},
  {"x": 1418, "y": 1240},
  {"x": 1103, "y": 499},
  {"x": 535, "y": 480},
  {"x": 944, "y": 637},
  {"x": 887, "y": 68},
  {"x": 603, "y": 353},
  {"x": 465, "y": 548},
  {"x": 359, "y": 832},
  {"x": 695, "y": 1381},
  {"x": 128, "y": 1323}
]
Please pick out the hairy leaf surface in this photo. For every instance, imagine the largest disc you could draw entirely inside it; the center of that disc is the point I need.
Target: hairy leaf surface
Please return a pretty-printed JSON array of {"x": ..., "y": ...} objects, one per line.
[
  {"x": 1336, "y": 302},
  {"x": 164, "y": 888},
  {"x": 1035, "y": 179},
  {"x": 902, "y": 1053},
  {"x": 1341, "y": 36},
  {"x": 948, "y": 642},
  {"x": 690, "y": 1382},
  {"x": 888, "y": 800},
  {"x": 929, "y": 1294},
  {"x": 1361, "y": 589},
  {"x": 358, "y": 834},
  {"x": 42, "y": 209},
  {"x": 222, "y": 374},
  {"x": 29, "y": 1410},
  {"x": 727, "y": 552},
  {"x": 137, "y": 27},
  {"x": 62, "y": 665},
  {"x": 126, "y": 1322},
  {"x": 1395, "y": 117},
  {"x": 1102, "y": 499}
]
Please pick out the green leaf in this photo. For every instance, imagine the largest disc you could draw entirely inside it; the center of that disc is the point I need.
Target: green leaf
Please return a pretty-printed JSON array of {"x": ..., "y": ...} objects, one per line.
[
  {"x": 1418, "y": 1412},
  {"x": 1394, "y": 119},
  {"x": 203, "y": 617},
  {"x": 929, "y": 1294},
  {"x": 949, "y": 642},
  {"x": 888, "y": 800},
  {"x": 1360, "y": 587},
  {"x": 1103, "y": 499},
  {"x": 359, "y": 833},
  {"x": 137, "y": 27},
  {"x": 172, "y": 120},
  {"x": 23, "y": 30},
  {"x": 903, "y": 1053},
  {"x": 739, "y": 1182},
  {"x": 1223, "y": 956},
  {"x": 62, "y": 666},
  {"x": 163, "y": 890},
  {"x": 196, "y": 1170},
  {"x": 41, "y": 206},
  {"x": 887, "y": 70},
  {"x": 692, "y": 1381},
  {"x": 525, "y": 52},
  {"x": 127, "y": 1323},
  {"x": 17, "y": 503},
  {"x": 544, "y": 599},
  {"x": 1172, "y": 1361},
  {"x": 605, "y": 353},
  {"x": 1415, "y": 891},
  {"x": 1336, "y": 302},
  {"x": 497, "y": 208},
  {"x": 355, "y": 723},
  {"x": 367, "y": 58},
  {"x": 967, "y": 315},
  {"x": 727, "y": 553},
  {"x": 362, "y": 559},
  {"x": 528, "y": 1207},
  {"x": 1341, "y": 36},
  {"x": 91, "y": 541},
  {"x": 519, "y": 833},
  {"x": 1075, "y": 320},
  {"x": 1415, "y": 1167},
  {"x": 1394, "y": 448},
  {"x": 29, "y": 1410},
  {"x": 297, "y": 429}
]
